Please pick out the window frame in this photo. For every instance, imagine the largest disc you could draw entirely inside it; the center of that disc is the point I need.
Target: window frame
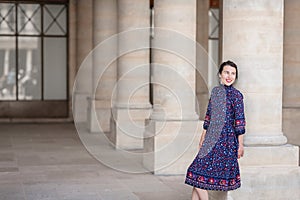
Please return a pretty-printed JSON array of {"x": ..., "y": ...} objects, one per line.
[
  {"x": 41, "y": 36},
  {"x": 39, "y": 108}
]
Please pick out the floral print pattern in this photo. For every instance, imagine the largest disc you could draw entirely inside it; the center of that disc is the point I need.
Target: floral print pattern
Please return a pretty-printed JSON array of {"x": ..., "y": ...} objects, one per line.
[{"x": 216, "y": 166}]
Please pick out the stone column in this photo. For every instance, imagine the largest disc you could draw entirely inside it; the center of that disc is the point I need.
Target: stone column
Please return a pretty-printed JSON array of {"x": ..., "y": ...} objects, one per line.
[
  {"x": 261, "y": 79},
  {"x": 253, "y": 37},
  {"x": 181, "y": 75},
  {"x": 202, "y": 57},
  {"x": 259, "y": 53},
  {"x": 104, "y": 26},
  {"x": 174, "y": 123},
  {"x": 132, "y": 105},
  {"x": 291, "y": 72},
  {"x": 84, "y": 46}
]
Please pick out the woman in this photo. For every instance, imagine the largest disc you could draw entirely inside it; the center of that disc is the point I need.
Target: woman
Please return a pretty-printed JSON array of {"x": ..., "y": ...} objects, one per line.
[{"x": 216, "y": 166}]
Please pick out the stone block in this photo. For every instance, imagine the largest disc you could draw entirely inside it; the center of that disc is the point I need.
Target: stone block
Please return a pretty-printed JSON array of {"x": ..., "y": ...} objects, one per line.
[
  {"x": 170, "y": 146},
  {"x": 270, "y": 182},
  {"x": 285, "y": 155},
  {"x": 98, "y": 116},
  {"x": 80, "y": 107},
  {"x": 128, "y": 126}
]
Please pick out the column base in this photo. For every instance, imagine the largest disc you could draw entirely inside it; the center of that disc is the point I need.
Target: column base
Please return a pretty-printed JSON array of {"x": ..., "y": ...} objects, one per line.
[
  {"x": 80, "y": 107},
  {"x": 125, "y": 105},
  {"x": 160, "y": 116},
  {"x": 262, "y": 140},
  {"x": 127, "y": 127},
  {"x": 98, "y": 115},
  {"x": 170, "y": 146},
  {"x": 274, "y": 183},
  {"x": 266, "y": 173},
  {"x": 269, "y": 172},
  {"x": 284, "y": 155},
  {"x": 271, "y": 182}
]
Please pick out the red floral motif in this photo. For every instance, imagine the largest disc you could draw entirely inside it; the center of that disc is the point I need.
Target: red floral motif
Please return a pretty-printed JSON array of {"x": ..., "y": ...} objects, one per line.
[
  {"x": 201, "y": 179},
  {"x": 211, "y": 180},
  {"x": 240, "y": 122},
  {"x": 238, "y": 177},
  {"x": 223, "y": 182},
  {"x": 232, "y": 182},
  {"x": 190, "y": 174},
  {"x": 207, "y": 117}
]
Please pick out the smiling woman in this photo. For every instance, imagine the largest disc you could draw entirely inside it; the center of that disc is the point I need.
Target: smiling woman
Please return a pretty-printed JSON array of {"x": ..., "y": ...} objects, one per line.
[
  {"x": 228, "y": 73},
  {"x": 221, "y": 145}
]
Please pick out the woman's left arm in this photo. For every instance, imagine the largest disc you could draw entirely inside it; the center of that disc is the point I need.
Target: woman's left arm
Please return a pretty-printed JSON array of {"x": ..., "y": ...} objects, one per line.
[{"x": 240, "y": 122}]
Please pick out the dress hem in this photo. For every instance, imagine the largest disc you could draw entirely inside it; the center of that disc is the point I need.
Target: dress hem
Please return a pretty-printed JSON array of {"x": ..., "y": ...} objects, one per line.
[{"x": 212, "y": 187}]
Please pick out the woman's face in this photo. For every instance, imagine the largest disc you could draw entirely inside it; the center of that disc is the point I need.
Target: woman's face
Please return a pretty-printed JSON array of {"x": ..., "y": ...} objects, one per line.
[{"x": 228, "y": 75}]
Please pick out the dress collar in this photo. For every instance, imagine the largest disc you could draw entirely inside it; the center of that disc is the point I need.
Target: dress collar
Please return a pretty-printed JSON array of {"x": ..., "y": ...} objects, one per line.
[{"x": 226, "y": 86}]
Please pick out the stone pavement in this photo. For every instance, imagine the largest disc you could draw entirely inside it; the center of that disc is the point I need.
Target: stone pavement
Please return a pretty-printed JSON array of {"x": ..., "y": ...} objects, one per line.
[{"x": 49, "y": 162}]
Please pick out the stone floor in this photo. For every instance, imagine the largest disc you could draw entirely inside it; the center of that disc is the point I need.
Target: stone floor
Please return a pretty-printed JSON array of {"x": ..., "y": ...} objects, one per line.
[{"x": 49, "y": 162}]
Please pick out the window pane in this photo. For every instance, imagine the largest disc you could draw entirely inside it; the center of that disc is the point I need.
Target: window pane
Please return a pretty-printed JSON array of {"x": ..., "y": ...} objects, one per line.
[
  {"x": 29, "y": 19},
  {"x": 7, "y": 68},
  {"x": 214, "y": 23},
  {"x": 55, "y": 19},
  {"x": 29, "y": 75},
  {"x": 7, "y": 18},
  {"x": 55, "y": 69}
]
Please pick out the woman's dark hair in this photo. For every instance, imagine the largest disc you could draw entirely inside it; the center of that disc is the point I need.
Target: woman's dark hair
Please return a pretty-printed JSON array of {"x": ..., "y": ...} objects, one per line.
[{"x": 228, "y": 63}]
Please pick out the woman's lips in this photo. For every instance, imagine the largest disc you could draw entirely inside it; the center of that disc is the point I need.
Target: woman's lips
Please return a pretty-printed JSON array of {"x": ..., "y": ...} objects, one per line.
[{"x": 228, "y": 80}]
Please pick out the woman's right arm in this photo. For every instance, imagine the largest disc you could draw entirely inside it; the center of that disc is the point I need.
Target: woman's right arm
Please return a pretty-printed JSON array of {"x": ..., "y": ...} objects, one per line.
[{"x": 205, "y": 123}]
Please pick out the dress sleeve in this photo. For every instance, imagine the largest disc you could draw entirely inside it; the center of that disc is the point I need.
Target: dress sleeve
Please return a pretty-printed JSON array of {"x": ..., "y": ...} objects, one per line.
[
  {"x": 207, "y": 116},
  {"x": 240, "y": 121}
]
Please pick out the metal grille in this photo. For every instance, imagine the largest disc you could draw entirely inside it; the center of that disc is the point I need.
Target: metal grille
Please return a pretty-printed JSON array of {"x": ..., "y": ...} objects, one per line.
[
  {"x": 29, "y": 22},
  {"x": 55, "y": 22},
  {"x": 7, "y": 18}
]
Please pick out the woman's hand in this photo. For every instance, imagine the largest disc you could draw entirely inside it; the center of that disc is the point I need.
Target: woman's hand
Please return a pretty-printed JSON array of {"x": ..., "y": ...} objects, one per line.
[
  {"x": 241, "y": 146},
  {"x": 200, "y": 143},
  {"x": 241, "y": 151},
  {"x": 202, "y": 138}
]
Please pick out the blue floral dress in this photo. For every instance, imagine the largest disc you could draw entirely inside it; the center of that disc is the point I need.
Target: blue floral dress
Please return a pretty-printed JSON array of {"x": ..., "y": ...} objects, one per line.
[{"x": 216, "y": 164}]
